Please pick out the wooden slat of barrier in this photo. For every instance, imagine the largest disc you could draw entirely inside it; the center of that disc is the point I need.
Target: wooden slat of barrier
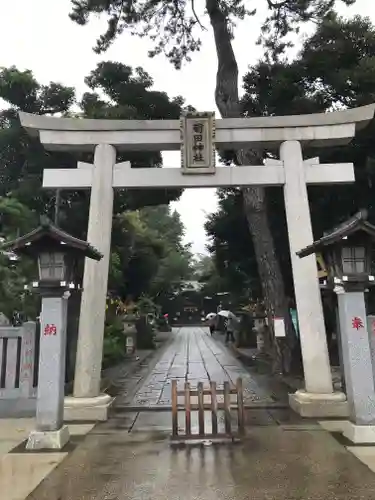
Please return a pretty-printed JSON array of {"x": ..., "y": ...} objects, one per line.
[
  {"x": 241, "y": 422},
  {"x": 200, "y": 409},
  {"x": 227, "y": 417},
  {"x": 174, "y": 409},
  {"x": 187, "y": 410},
  {"x": 214, "y": 407}
]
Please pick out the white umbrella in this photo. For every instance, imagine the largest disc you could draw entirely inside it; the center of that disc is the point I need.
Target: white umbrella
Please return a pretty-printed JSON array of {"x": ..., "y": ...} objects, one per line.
[
  {"x": 228, "y": 315},
  {"x": 225, "y": 314},
  {"x": 211, "y": 315}
]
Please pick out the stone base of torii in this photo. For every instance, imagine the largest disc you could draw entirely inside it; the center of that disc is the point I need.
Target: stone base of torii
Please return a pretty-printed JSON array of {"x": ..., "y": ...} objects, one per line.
[{"x": 289, "y": 134}]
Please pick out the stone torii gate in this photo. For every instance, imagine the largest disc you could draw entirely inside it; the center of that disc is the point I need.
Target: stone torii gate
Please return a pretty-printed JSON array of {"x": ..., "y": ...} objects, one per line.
[{"x": 288, "y": 133}]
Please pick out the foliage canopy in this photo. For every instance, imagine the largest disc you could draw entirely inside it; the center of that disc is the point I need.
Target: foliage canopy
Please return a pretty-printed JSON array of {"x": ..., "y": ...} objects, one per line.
[
  {"x": 174, "y": 26},
  {"x": 142, "y": 259}
]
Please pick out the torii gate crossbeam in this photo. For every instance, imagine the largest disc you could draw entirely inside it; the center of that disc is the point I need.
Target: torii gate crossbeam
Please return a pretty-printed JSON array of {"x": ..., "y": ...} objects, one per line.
[{"x": 125, "y": 177}]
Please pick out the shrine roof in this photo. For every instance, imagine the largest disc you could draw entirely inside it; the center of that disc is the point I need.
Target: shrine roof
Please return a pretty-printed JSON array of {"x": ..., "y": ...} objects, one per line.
[
  {"x": 356, "y": 223},
  {"x": 47, "y": 230}
]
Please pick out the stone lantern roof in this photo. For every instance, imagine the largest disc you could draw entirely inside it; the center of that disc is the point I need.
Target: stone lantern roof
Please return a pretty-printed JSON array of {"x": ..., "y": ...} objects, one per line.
[
  {"x": 49, "y": 235},
  {"x": 356, "y": 223}
]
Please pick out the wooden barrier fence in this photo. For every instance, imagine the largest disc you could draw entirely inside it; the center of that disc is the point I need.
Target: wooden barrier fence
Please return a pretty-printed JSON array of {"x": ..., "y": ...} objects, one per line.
[{"x": 213, "y": 406}]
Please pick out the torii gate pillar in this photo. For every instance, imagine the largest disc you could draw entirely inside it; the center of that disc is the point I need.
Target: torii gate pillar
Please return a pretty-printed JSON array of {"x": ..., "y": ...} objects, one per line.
[
  {"x": 95, "y": 279},
  {"x": 318, "y": 398}
]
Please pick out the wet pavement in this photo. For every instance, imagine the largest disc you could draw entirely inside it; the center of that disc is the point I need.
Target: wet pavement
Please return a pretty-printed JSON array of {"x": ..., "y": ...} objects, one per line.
[
  {"x": 194, "y": 356},
  {"x": 273, "y": 462},
  {"x": 282, "y": 457}
]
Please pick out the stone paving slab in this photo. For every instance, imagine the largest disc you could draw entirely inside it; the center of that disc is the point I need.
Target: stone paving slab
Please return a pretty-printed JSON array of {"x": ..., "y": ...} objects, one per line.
[
  {"x": 21, "y": 472},
  {"x": 194, "y": 356},
  {"x": 271, "y": 464}
]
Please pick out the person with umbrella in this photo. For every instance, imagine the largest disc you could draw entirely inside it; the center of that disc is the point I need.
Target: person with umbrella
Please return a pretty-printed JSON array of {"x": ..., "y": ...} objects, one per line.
[
  {"x": 211, "y": 318},
  {"x": 230, "y": 326}
]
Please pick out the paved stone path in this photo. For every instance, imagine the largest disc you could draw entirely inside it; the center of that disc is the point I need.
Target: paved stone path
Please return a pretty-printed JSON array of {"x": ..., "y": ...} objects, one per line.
[
  {"x": 130, "y": 456},
  {"x": 273, "y": 463},
  {"x": 194, "y": 356}
]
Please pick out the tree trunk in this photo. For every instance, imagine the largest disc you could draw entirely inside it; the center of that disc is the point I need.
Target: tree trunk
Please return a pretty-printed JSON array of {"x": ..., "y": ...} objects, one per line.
[{"x": 255, "y": 205}]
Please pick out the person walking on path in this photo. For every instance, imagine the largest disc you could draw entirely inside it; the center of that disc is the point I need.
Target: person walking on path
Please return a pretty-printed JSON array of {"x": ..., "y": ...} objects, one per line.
[
  {"x": 230, "y": 328},
  {"x": 212, "y": 325},
  {"x": 212, "y": 322}
]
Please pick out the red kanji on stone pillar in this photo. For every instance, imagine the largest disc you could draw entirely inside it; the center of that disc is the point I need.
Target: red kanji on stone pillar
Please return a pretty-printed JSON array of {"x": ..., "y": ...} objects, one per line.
[
  {"x": 50, "y": 329},
  {"x": 357, "y": 323}
]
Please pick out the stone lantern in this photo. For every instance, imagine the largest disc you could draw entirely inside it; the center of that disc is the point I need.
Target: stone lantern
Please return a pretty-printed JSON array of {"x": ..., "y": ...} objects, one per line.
[
  {"x": 347, "y": 252},
  {"x": 57, "y": 253}
]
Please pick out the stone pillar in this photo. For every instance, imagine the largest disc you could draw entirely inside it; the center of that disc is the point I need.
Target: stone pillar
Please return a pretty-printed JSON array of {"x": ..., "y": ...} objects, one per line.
[
  {"x": 50, "y": 432},
  {"x": 314, "y": 347},
  {"x": 371, "y": 335},
  {"x": 339, "y": 348},
  {"x": 316, "y": 366},
  {"x": 92, "y": 316},
  {"x": 357, "y": 359}
]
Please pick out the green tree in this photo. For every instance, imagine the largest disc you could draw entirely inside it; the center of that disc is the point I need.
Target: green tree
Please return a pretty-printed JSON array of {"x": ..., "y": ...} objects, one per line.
[
  {"x": 116, "y": 91},
  {"x": 232, "y": 247},
  {"x": 155, "y": 260},
  {"x": 15, "y": 273},
  {"x": 149, "y": 257},
  {"x": 175, "y": 264},
  {"x": 125, "y": 93},
  {"x": 138, "y": 252},
  {"x": 178, "y": 39},
  {"x": 15, "y": 217},
  {"x": 310, "y": 83},
  {"x": 214, "y": 283}
]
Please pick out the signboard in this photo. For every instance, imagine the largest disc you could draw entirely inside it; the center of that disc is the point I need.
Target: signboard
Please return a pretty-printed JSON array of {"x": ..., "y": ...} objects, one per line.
[
  {"x": 198, "y": 143},
  {"x": 279, "y": 327}
]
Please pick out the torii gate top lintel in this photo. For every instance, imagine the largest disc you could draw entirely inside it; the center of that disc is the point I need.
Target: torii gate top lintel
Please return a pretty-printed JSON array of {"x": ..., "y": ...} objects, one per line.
[{"x": 319, "y": 129}]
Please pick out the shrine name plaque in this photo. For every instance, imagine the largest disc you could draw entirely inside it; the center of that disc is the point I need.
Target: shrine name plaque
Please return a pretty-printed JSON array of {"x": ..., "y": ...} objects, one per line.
[{"x": 198, "y": 143}]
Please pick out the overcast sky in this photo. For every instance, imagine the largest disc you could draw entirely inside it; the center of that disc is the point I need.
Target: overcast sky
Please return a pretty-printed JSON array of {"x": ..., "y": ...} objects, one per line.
[{"x": 34, "y": 35}]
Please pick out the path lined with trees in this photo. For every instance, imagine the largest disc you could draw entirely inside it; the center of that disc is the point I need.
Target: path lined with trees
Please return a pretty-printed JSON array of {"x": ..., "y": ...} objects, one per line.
[{"x": 148, "y": 253}]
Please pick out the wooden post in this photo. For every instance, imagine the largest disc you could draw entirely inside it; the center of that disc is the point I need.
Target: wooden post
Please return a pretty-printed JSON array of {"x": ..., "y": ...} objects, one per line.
[
  {"x": 227, "y": 417},
  {"x": 200, "y": 409},
  {"x": 174, "y": 409},
  {"x": 187, "y": 410},
  {"x": 214, "y": 407},
  {"x": 240, "y": 407}
]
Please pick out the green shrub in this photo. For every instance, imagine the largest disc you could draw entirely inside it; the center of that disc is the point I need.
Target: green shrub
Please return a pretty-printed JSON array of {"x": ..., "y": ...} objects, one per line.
[{"x": 114, "y": 342}]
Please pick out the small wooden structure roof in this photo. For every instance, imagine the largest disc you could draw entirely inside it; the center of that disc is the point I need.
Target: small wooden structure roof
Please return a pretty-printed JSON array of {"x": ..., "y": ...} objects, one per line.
[
  {"x": 356, "y": 223},
  {"x": 48, "y": 232}
]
